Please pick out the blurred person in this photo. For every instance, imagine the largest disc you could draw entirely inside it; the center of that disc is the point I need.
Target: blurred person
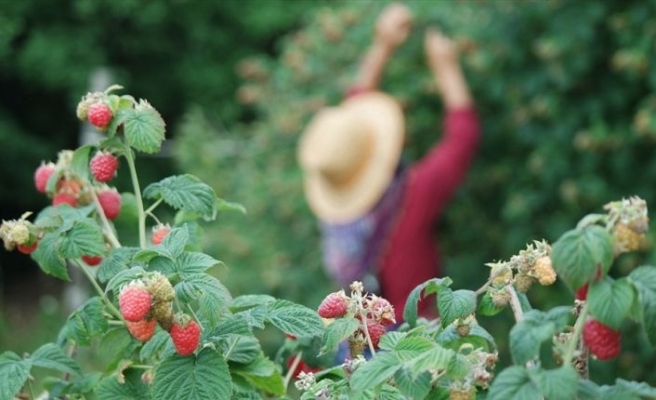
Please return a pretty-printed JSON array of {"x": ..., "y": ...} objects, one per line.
[{"x": 378, "y": 215}]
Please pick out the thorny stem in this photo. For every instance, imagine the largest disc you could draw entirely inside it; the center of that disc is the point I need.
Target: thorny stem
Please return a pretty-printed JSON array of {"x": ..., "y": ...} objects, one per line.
[
  {"x": 576, "y": 334},
  {"x": 109, "y": 232},
  {"x": 137, "y": 193},
  {"x": 98, "y": 289},
  {"x": 292, "y": 368}
]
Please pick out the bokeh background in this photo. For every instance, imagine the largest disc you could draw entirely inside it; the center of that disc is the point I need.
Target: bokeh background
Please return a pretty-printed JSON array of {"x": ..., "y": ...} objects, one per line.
[{"x": 566, "y": 91}]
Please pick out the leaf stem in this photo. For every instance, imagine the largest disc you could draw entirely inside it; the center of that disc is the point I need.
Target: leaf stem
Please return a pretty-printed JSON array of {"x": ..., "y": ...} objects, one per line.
[
  {"x": 292, "y": 368},
  {"x": 137, "y": 193},
  {"x": 574, "y": 339},
  {"x": 515, "y": 304},
  {"x": 232, "y": 347},
  {"x": 101, "y": 292},
  {"x": 107, "y": 228}
]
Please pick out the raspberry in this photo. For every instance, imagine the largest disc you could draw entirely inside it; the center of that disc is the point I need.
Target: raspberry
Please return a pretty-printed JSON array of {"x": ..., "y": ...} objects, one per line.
[
  {"x": 159, "y": 233},
  {"x": 142, "y": 330},
  {"x": 523, "y": 282},
  {"x": 163, "y": 313},
  {"x": 543, "y": 271},
  {"x": 99, "y": 114},
  {"x": 160, "y": 288},
  {"x": 334, "y": 305},
  {"x": 375, "y": 330},
  {"x": 382, "y": 311},
  {"x": 462, "y": 394},
  {"x": 602, "y": 341},
  {"x": 27, "y": 248},
  {"x": 185, "y": 335},
  {"x": 625, "y": 239},
  {"x": 69, "y": 186},
  {"x": 302, "y": 366},
  {"x": 42, "y": 176},
  {"x": 103, "y": 166},
  {"x": 64, "y": 198},
  {"x": 582, "y": 293},
  {"x": 110, "y": 201},
  {"x": 92, "y": 261},
  {"x": 134, "y": 301}
]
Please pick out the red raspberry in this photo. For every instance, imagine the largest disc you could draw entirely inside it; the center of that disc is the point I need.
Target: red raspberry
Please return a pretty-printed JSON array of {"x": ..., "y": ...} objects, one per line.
[
  {"x": 301, "y": 367},
  {"x": 42, "y": 175},
  {"x": 582, "y": 293},
  {"x": 334, "y": 305},
  {"x": 185, "y": 336},
  {"x": 99, "y": 114},
  {"x": 64, "y": 198},
  {"x": 103, "y": 166},
  {"x": 382, "y": 311},
  {"x": 27, "y": 248},
  {"x": 69, "y": 186},
  {"x": 92, "y": 261},
  {"x": 134, "y": 301},
  {"x": 376, "y": 330},
  {"x": 110, "y": 201},
  {"x": 142, "y": 330},
  {"x": 602, "y": 341},
  {"x": 159, "y": 233}
]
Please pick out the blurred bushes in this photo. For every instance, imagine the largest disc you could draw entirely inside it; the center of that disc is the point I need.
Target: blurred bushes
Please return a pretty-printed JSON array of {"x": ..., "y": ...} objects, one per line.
[{"x": 566, "y": 92}]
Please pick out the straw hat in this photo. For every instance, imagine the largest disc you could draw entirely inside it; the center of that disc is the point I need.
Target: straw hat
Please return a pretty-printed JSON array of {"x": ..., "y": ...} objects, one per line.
[{"x": 349, "y": 155}]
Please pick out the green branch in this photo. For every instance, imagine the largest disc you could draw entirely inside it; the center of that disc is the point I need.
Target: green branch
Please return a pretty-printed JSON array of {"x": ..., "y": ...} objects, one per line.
[{"x": 137, "y": 194}]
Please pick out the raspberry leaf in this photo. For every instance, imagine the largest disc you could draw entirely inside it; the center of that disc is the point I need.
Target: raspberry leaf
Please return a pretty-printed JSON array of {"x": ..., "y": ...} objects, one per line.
[
  {"x": 336, "y": 332},
  {"x": 80, "y": 162},
  {"x": 14, "y": 371},
  {"x": 537, "y": 327},
  {"x": 261, "y": 373},
  {"x": 85, "y": 238},
  {"x": 376, "y": 371},
  {"x": 205, "y": 376},
  {"x": 455, "y": 304},
  {"x": 240, "y": 348},
  {"x": 52, "y": 356},
  {"x": 294, "y": 319},
  {"x": 213, "y": 298},
  {"x": 193, "y": 263},
  {"x": 118, "y": 260},
  {"x": 184, "y": 192},
  {"x": 111, "y": 388},
  {"x": 144, "y": 129},
  {"x": 611, "y": 300},
  {"x": 644, "y": 280},
  {"x": 86, "y": 323},
  {"x": 48, "y": 258},
  {"x": 413, "y": 387},
  {"x": 580, "y": 253},
  {"x": 426, "y": 288},
  {"x": 514, "y": 383}
]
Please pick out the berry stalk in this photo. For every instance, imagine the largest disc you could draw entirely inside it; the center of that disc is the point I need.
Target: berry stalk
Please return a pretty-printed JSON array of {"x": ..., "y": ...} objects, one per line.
[
  {"x": 137, "y": 193},
  {"x": 292, "y": 368},
  {"x": 107, "y": 228},
  {"x": 576, "y": 334},
  {"x": 101, "y": 292}
]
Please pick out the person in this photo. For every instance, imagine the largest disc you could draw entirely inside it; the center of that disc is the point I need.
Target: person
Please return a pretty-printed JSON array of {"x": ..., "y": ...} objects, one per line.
[{"x": 378, "y": 215}]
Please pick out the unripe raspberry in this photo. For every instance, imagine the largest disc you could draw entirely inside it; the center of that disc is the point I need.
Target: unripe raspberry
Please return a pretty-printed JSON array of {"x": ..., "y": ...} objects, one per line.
[
  {"x": 92, "y": 261},
  {"x": 64, "y": 198},
  {"x": 27, "y": 248},
  {"x": 134, "y": 301},
  {"x": 142, "y": 330},
  {"x": 185, "y": 334},
  {"x": 99, "y": 114},
  {"x": 42, "y": 176},
  {"x": 463, "y": 330},
  {"x": 159, "y": 233},
  {"x": 543, "y": 271},
  {"x": 160, "y": 288},
  {"x": 163, "y": 313},
  {"x": 523, "y": 282},
  {"x": 501, "y": 274},
  {"x": 602, "y": 341},
  {"x": 625, "y": 239},
  {"x": 335, "y": 305},
  {"x": 110, "y": 202},
  {"x": 382, "y": 310},
  {"x": 500, "y": 298},
  {"x": 103, "y": 166},
  {"x": 462, "y": 394}
]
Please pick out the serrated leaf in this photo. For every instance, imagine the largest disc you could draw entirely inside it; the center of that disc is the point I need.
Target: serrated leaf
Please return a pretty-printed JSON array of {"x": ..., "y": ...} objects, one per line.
[
  {"x": 176, "y": 240},
  {"x": 116, "y": 261},
  {"x": 263, "y": 374},
  {"x": 610, "y": 300},
  {"x": 580, "y": 253},
  {"x": 391, "y": 339},
  {"x": 376, "y": 371},
  {"x": 255, "y": 317},
  {"x": 80, "y": 161},
  {"x": 48, "y": 258},
  {"x": 428, "y": 287},
  {"x": 410, "y": 347},
  {"x": 123, "y": 277},
  {"x": 294, "y": 319},
  {"x": 336, "y": 332},
  {"x": 641, "y": 389},
  {"x": 414, "y": 388},
  {"x": 86, "y": 322},
  {"x": 644, "y": 280},
  {"x": 192, "y": 263},
  {"x": 13, "y": 374},
  {"x": 144, "y": 129},
  {"x": 436, "y": 358},
  {"x": 84, "y": 238},
  {"x": 133, "y": 389},
  {"x": 205, "y": 376},
  {"x": 223, "y": 205},
  {"x": 537, "y": 327},
  {"x": 117, "y": 120},
  {"x": 558, "y": 384},
  {"x": 477, "y": 337},
  {"x": 513, "y": 383},
  {"x": 155, "y": 346},
  {"x": 251, "y": 300},
  {"x": 51, "y": 356},
  {"x": 212, "y": 296},
  {"x": 232, "y": 323},
  {"x": 184, "y": 192},
  {"x": 455, "y": 304},
  {"x": 238, "y": 348},
  {"x": 116, "y": 345}
]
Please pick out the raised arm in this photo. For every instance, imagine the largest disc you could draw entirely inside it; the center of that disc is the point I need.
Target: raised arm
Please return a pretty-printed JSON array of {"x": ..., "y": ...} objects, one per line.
[{"x": 392, "y": 29}]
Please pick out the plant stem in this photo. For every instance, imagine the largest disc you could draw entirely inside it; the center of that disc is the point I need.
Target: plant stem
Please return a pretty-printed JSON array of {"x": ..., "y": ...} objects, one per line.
[
  {"x": 101, "y": 292},
  {"x": 153, "y": 206},
  {"x": 515, "y": 304},
  {"x": 109, "y": 232},
  {"x": 137, "y": 193},
  {"x": 232, "y": 347},
  {"x": 574, "y": 339},
  {"x": 292, "y": 368}
]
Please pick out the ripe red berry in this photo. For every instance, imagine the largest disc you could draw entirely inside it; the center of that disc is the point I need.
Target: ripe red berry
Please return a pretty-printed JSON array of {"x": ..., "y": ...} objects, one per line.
[
  {"x": 142, "y": 330},
  {"x": 376, "y": 330},
  {"x": 92, "y": 261},
  {"x": 582, "y": 293},
  {"x": 134, "y": 302},
  {"x": 64, "y": 198},
  {"x": 110, "y": 201},
  {"x": 335, "y": 305},
  {"x": 602, "y": 341},
  {"x": 185, "y": 336},
  {"x": 99, "y": 114},
  {"x": 27, "y": 248},
  {"x": 382, "y": 311},
  {"x": 159, "y": 233},
  {"x": 103, "y": 166},
  {"x": 302, "y": 366},
  {"x": 42, "y": 175}
]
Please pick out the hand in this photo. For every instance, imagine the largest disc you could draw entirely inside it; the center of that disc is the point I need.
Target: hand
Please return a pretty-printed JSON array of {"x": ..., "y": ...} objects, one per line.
[
  {"x": 393, "y": 25},
  {"x": 442, "y": 58},
  {"x": 441, "y": 51}
]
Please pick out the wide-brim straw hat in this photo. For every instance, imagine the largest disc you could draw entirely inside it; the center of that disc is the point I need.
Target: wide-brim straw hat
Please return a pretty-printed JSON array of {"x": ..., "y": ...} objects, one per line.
[{"x": 349, "y": 155}]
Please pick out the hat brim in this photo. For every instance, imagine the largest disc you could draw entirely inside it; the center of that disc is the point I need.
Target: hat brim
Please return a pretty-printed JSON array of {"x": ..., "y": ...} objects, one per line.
[{"x": 339, "y": 204}]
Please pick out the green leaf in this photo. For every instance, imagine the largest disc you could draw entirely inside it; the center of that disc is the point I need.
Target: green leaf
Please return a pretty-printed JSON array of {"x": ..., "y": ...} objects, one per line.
[
  {"x": 222, "y": 205},
  {"x": 513, "y": 383},
  {"x": 144, "y": 129},
  {"x": 255, "y": 316},
  {"x": 580, "y": 253},
  {"x": 48, "y": 258},
  {"x": 558, "y": 384},
  {"x": 155, "y": 346},
  {"x": 477, "y": 337},
  {"x": 410, "y": 347},
  {"x": 251, "y": 300},
  {"x": 133, "y": 389},
  {"x": 455, "y": 304},
  {"x": 263, "y": 374},
  {"x": 176, "y": 240},
  {"x": 232, "y": 323},
  {"x": 191, "y": 263},
  {"x": 184, "y": 192},
  {"x": 436, "y": 358},
  {"x": 537, "y": 327},
  {"x": 242, "y": 348},
  {"x": 426, "y": 288},
  {"x": 13, "y": 374},
  {"x": 641, "y": 389},
  {"x": 376, "y": 371},
  {"x": 294, "y": 319},
  {"x": 80, "y": 161},
  {"x": 391, "y": 339},
  {"x": 85, "y": 238},
  {"x": 52, "y": 356},
  {"x": 611, "y": 300},
  {"x": 336, "y": 332},
  {"x": 414, "y": 388},
  {"x": 205, "y": 376},
  {"x": 116, "y": 261},
  {"x": 86, "y": 322},
  {"x": 644, "y": 280},
  {"x": 213, "y": 298},
  {"x": 486, "y": 307}
]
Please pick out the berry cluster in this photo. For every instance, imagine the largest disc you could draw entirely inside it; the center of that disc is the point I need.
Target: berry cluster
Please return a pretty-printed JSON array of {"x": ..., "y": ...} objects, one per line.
[{"x": 146, "y": 303}]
